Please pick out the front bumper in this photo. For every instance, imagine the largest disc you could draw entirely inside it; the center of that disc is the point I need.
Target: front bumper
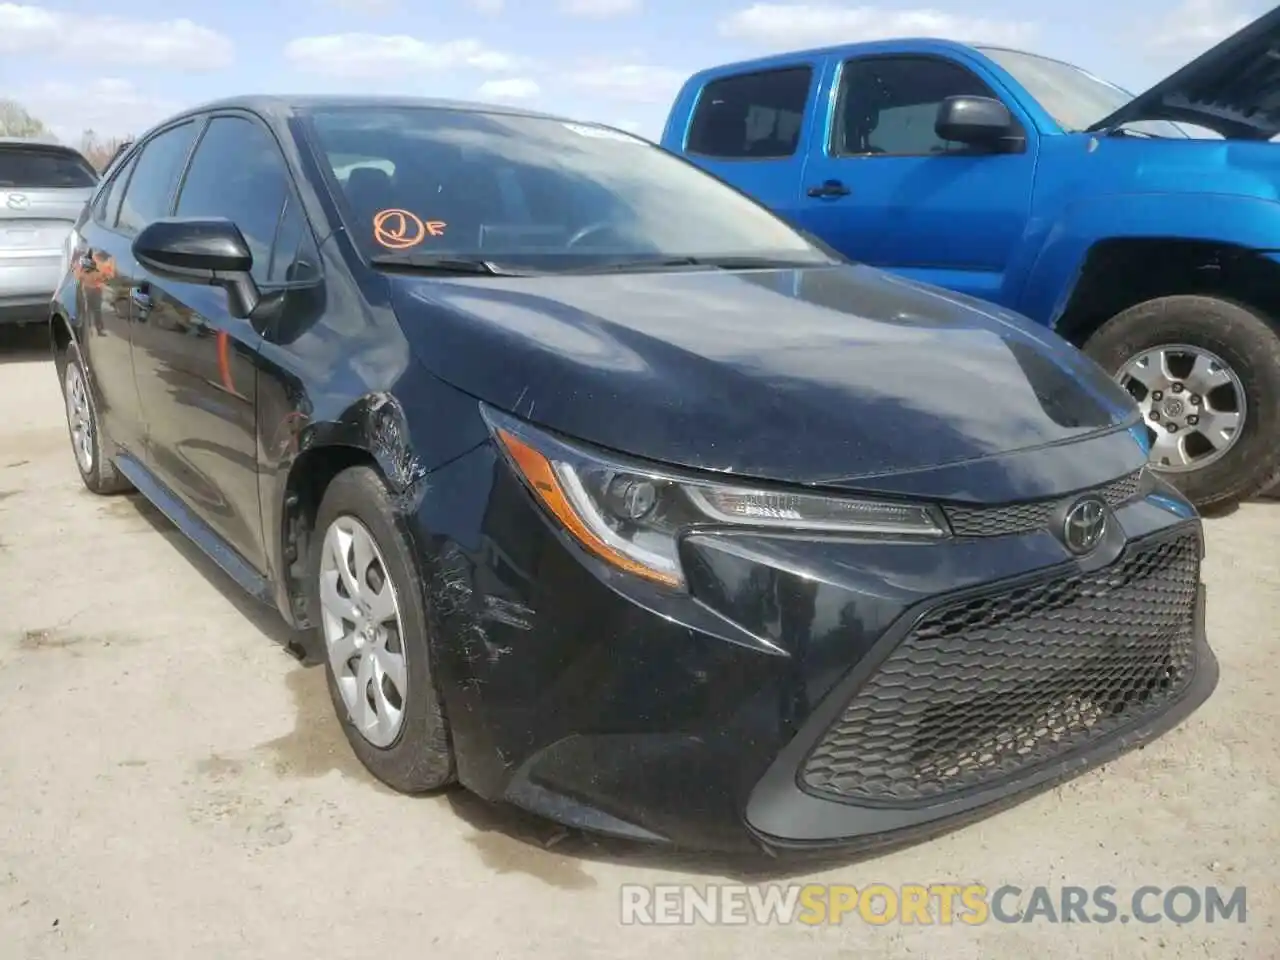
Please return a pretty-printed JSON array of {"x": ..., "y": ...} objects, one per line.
[{"x": 691, "y": 719}]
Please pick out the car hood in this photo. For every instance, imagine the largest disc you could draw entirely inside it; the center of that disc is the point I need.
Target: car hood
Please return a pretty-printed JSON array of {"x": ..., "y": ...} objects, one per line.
[
  {"x": 1232, "y": 89},
  {"x": 818, "y": 375}
]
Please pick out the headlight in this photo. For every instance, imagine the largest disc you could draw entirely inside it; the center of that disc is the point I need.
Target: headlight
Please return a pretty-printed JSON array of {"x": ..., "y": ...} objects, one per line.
[{"x": 632, "y": 516}]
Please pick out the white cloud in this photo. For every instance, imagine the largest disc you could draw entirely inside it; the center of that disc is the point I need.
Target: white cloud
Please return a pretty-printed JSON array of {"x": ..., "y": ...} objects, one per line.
[
  {"x": 1194, "y": 26},
  {"x": 110, "y": 107},
  {"x": 790, "y": 25},
  {"x": 512, "y": 88},
  {"x": 374, "y": 7},
  {"x": 367, "y": 55},
  {"x": 176, "y": 44},
  {"x": 638, "y": 83},
  {"x": 599, "y": 9}
]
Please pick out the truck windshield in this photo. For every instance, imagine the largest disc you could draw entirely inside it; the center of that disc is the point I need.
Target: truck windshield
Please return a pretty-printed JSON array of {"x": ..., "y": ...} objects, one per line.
[
  {"x": 1075, "y": 99},
  {"x": 449, "y": 184}
]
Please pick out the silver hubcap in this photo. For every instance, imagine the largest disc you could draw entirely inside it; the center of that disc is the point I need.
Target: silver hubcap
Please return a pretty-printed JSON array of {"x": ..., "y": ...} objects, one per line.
[
  {"x": 1193, "y": 403},
  {"x": 79, "y": 417},
  {"x": 363, "y": 631}
]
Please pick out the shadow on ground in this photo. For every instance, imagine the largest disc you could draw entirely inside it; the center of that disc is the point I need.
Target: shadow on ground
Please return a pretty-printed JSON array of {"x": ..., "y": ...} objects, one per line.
[
  {"x": 23, "y": 344},
  {"x": 265, "y": 619}
]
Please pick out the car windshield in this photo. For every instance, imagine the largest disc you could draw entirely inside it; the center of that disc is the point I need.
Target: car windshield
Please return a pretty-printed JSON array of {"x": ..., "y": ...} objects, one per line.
[
  {"x": 31, "y": 168},
  {"x": 1075, "y": 99},
  {"x": 428, "y": 183}
]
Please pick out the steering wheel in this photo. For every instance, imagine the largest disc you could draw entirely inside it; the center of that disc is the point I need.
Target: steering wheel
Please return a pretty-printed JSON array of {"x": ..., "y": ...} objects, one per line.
[{"x": 600, "y": 226}]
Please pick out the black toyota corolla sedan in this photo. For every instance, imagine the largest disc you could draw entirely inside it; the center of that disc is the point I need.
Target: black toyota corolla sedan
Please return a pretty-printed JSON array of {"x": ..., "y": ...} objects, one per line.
[{"x": 602, "y": 491}]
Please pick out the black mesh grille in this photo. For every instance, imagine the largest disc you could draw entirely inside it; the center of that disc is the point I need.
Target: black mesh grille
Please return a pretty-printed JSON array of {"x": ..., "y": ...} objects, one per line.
[
  {"x": 1024, "y": 517},
  {"x": 983, "y": 688}
]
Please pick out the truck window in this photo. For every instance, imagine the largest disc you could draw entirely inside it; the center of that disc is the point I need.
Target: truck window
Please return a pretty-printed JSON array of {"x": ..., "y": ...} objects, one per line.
[
  {"x": 753, "y": 115},
  {"x": 888, "y": 105}
]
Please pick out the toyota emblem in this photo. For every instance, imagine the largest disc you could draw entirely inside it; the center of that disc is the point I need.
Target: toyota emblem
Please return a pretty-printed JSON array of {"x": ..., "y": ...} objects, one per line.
[
  {"x": 1084, "y": 525},
  {"x": 17, "y": 201}
]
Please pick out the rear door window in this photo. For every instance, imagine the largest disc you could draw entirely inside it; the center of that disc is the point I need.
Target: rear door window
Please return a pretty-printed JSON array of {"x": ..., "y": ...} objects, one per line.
[
  {"x": 752, "y": 116},
  {"x": 36, "y": 168},
  {"x": 149, "y": 192}
]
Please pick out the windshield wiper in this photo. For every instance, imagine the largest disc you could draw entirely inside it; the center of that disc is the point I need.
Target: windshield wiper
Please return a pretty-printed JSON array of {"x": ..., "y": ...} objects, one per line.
[
  {"x": 720, "y": 263},
  {"x": 449, "y": 265}
]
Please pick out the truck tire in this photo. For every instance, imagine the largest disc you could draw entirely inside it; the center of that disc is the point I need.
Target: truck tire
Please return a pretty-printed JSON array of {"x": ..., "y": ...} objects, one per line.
[{"x": 1203, "y": 359}]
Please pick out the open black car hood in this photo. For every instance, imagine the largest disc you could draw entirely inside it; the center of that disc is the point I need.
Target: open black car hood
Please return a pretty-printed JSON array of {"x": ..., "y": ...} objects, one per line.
[
  {"x": 802, "y": 375},
  {"x": 1232, "y": 89}
]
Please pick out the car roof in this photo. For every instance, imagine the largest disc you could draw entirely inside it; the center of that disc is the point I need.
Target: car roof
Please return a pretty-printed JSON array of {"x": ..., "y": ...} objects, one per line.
[
  {"x": 281, "y": 106},
  {"x": 897, "y": 45}
]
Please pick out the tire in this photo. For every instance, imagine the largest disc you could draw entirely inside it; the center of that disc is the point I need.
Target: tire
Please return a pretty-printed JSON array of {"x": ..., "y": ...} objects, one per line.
[
  {"x": 1246, "y": 343},
  {"x": 97, "y": 470},
  {"x": 419, "y": 759}
]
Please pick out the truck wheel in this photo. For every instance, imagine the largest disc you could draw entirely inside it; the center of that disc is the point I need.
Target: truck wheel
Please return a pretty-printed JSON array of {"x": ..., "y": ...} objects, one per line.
[{"x": 1206, "y": 374}]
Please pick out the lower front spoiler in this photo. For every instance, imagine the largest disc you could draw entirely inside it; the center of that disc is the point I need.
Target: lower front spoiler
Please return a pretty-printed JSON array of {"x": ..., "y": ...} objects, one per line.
[
  {"x": 603, "y": 787},
  {"x": 784, "y": 819}
]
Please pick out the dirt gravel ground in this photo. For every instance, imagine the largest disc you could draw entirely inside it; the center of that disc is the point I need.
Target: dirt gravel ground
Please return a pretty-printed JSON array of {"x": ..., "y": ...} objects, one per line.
[{"x": 172, "y": 782}]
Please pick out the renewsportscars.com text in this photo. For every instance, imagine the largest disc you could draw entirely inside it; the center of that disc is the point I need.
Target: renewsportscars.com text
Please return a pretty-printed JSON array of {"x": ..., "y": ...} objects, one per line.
[{"x": 926, "y": 904}]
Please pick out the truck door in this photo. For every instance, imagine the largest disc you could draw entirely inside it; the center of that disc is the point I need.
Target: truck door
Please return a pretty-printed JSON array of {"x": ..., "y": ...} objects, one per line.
[{"x": 883, "y": 188}]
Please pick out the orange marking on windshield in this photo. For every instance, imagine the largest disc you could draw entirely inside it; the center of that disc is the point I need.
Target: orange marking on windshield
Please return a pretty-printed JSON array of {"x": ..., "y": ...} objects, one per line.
[{"x": 400, "y": 229}]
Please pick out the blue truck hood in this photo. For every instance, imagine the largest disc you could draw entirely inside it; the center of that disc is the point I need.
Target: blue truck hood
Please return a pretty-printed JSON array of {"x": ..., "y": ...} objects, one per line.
[
  {"x": 1232, "y": 89},
  {"x": 808, "y": 375}
]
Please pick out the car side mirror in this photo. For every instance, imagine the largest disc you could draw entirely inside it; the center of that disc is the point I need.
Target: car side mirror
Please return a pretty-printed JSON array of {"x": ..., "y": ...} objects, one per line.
[
  {"x": 979, "y": 122},
  {"x": 210, "y": 251}
]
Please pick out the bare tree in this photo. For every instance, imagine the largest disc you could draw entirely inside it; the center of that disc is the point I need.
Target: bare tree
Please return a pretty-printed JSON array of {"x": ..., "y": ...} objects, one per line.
[
  {"x": 101, "y": 151},
  {"x": 16, "y": 122}
]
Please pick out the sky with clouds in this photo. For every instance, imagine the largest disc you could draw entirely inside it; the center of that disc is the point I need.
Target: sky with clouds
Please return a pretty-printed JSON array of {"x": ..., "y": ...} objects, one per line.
[{"x": 121, "y": 65}]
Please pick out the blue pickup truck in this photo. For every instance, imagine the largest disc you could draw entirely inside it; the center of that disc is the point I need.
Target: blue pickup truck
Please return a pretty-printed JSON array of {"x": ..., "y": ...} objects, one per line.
[{"x": 1145, "y": 230}]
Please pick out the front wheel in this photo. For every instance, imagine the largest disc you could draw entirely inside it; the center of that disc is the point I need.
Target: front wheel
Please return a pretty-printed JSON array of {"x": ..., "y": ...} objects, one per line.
[
  {"x": 1206, "y": 374},
  {"x": 366, "y": 595}
]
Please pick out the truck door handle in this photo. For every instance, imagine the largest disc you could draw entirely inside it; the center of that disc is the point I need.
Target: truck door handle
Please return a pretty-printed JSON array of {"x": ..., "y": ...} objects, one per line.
[{"x": 830, "y": 188}]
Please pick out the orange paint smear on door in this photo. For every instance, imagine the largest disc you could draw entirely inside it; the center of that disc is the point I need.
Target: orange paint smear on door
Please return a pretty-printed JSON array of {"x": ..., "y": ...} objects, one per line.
[{"x": 224, "y": 361}]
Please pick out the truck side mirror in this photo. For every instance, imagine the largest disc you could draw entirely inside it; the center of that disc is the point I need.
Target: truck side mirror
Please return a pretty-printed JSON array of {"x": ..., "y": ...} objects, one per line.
[{"x": 980, "y": 122}]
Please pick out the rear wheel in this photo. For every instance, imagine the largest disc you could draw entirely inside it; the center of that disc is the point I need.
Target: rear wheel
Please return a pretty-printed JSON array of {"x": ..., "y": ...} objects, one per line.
[
  {"x": 1206, "y": 374},
  {"x": 366, "y": 595},
  {"x": 87, "y": 442}
]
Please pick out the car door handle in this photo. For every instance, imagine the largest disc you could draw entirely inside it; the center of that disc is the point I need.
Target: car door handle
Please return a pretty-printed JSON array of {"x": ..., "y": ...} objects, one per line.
[
  {"x": 830, "y": 188},
  {"x": 141, "y": 299}
]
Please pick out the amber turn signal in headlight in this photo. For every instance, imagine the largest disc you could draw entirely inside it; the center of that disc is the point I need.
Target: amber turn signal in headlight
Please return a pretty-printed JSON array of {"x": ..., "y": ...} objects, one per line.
[{"x": 632, "y": 517}]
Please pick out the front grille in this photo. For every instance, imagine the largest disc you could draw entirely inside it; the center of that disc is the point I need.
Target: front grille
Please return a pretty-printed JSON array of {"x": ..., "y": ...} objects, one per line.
[
  {"x": 1025, "y": 517},
  {"x": 984, "y": 688}
]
